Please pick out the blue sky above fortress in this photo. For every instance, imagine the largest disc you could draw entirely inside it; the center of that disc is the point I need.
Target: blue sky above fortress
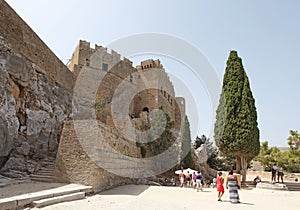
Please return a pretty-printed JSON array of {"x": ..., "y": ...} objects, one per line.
[{"x": 264, "y": 32}]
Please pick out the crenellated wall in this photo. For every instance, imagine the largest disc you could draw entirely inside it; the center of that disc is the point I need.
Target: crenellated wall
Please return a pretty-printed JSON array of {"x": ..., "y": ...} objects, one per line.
[{"x": 36, "y": 93}]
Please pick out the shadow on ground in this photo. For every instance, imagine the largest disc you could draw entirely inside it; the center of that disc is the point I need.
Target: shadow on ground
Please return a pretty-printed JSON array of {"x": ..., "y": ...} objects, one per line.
[
  {"x": 24, "y": 188},
  {"x": 126, "y": 190}
]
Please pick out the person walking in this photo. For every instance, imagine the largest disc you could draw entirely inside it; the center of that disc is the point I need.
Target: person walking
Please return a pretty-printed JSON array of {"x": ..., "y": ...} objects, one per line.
[
  {"x": 220, "y": 187},
  {"x": 198, "y": 181},
  {"x": 188, "y": 179},
  {"x": 181, "y": 178},
  {"x": 194, "y": 179},
  {"x": 232, "y": 184}
]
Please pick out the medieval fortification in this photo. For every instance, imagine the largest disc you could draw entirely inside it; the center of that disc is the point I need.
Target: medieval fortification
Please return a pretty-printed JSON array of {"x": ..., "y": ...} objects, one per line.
[{"x": 37, "y": 106}]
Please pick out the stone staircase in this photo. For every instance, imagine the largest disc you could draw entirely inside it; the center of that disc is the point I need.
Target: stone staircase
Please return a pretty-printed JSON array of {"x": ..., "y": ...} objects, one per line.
[
  {"x": 248, "y": 185},
  {"x": 293, "y": 186},
  {"x": 290, "y": 186},
  {"x": 45, "y": 174},
  {"x": 43, "y": 198}
]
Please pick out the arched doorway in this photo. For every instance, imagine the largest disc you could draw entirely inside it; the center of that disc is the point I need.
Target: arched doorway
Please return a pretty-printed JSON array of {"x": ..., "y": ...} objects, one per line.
[{"x": 146, "y": 109}]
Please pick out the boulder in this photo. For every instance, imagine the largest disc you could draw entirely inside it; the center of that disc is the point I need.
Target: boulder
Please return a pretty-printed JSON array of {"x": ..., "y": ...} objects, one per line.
[{"x": 201, "y": 154}]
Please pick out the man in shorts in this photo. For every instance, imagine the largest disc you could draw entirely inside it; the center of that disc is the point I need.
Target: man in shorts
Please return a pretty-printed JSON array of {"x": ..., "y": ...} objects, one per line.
[{"x": 273, "y": 171}]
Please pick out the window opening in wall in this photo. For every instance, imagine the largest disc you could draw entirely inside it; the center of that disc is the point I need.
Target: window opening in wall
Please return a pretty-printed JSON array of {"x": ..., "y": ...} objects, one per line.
[
  {"x": 165, "y": 94},
  {"x": 104, "y": 66},
  {"x": 87, "y": 62},
  {"x": 146, "y": 109}
]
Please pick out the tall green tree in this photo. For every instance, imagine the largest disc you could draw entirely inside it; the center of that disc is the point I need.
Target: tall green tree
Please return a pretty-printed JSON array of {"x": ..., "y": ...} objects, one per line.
[
  {"x": 236, "y": 132},
  {"x": 199, "y": 141},
  {"x": 294, "y": 141},
  {"x": 187, "y": 161}
]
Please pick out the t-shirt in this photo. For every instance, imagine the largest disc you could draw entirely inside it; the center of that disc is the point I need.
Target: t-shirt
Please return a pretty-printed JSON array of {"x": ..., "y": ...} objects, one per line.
[{"x": 199, "y": 176}]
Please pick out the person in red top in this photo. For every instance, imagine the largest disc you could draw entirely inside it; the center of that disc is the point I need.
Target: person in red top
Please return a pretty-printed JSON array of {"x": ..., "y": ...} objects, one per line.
[{"x": 220, "y": 187}]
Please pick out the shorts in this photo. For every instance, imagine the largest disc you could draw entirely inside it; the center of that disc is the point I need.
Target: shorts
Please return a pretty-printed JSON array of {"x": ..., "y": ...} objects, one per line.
[{"x": 181, "y": 180}]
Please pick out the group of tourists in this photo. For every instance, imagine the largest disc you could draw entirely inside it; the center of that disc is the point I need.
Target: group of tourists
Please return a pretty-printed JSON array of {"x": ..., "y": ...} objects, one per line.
[
  {"x": 231, "y": 184},
  {"x": 195, "y": 180},
  {"x": 192, "y": 180},
  {"x": 276, "y": 170}
]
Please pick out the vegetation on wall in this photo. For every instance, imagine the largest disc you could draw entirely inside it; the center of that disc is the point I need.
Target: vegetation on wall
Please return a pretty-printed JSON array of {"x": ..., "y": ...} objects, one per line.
[{"x": 165, "y": 139}]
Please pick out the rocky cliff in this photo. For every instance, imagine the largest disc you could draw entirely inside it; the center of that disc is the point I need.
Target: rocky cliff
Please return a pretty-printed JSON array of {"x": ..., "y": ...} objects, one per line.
[{"x": 35, "y": 97}]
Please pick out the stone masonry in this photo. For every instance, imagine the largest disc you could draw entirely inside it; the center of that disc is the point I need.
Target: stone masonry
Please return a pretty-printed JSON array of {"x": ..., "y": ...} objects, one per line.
[
  {"x": 38, "y": 93},
  {"x": 74, "y": 164},
  {"x": 35, "y": 97}
]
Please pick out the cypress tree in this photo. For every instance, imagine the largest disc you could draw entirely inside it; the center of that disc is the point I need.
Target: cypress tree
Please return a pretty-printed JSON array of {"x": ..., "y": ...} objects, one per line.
[
  {"x": 236, "y": 132},
  {"x": 187, "y": 161}
]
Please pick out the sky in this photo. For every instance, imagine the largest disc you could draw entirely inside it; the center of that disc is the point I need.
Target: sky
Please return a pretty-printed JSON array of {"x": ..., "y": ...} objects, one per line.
[{"x": 264, "y": 32}]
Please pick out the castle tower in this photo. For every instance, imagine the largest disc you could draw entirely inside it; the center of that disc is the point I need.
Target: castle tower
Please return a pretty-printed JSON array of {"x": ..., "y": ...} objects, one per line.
[
  {"x": 149, "y": 73},
  {"x": 152, "y": 74}
]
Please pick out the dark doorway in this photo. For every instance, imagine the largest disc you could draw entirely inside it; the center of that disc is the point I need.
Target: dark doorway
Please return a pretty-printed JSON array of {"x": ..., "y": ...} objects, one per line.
[{"x": 146, "y": 109}]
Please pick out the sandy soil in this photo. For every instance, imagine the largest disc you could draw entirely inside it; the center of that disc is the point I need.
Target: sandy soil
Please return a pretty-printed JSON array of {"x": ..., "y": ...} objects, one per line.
[{"x": 153, "y": 197}]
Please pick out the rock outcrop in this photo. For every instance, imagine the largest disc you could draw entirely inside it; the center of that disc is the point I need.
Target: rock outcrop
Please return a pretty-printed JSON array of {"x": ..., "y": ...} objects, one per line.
[
  {"x": 35, "y": 97},
  {"x": 200, "y": 160}
]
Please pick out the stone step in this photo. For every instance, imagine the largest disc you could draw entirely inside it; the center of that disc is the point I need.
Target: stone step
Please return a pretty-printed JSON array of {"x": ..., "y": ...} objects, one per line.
[
  {"x": 58, "y": 199},
  {"x": 44, "y": 172},
  {"x": 248, "y": 185},
  {"x": 41, "y": 176},
  {"x": 41, "y": 179},
  {"x": 47, "y": 168},
  {"x": 20, "y": 201},
  {"x": 293, "y": 186},
  {"x": 48, "y": 164}
]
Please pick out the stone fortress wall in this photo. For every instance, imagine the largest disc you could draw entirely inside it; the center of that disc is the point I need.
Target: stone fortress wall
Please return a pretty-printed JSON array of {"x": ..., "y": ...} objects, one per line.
[
  {"x": 114, "y": 71},
  {"x": 117, "y": 71},
  {"x": 35, "y": 97},
  {"x": 36, "y": 104},
  {"x": 27, "y": 43},
  {"x": 74, "y": 164}
]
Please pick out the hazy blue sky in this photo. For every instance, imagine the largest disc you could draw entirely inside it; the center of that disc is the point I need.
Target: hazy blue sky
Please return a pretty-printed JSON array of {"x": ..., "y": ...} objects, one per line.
[{"x": 264, "y": 32}]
